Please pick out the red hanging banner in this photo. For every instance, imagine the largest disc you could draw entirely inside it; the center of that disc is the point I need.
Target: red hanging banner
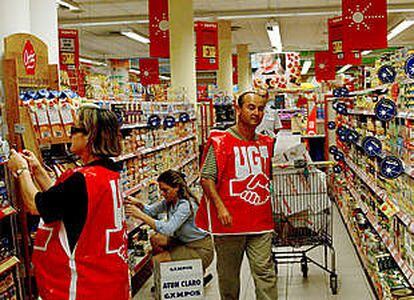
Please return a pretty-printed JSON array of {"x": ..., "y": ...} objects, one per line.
[
  {"x": 149, "y": 68},
  {"x": 235, "y": 69},
  {"x": 159, "y": 32},
  {"x": 340, "y": 57},
  {"x": 207, "y": 45},
  {"x": 365, "y": 24},
  {"x": 324, "y": 68},
  {"x": 69, "y": 57}
]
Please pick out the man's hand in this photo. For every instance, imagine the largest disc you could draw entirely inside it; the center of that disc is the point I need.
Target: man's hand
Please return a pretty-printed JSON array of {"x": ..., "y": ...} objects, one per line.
[
  {"x": 224, "y": 216},
  {"x": 252, "y": 189}
]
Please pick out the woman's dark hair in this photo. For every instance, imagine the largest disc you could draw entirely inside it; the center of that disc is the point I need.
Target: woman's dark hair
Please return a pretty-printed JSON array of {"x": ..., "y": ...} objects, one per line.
[
  {"x": 103, "y": 130},
  {"x": 176, "y": 179}
]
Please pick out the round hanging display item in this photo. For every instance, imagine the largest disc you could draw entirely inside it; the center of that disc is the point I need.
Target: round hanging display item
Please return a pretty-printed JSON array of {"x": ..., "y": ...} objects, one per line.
[
  {"x": 341, "y": 109},
  {"x": 372, "y": 146},
  {"x": 387, "y": 74},
  {"x": 169, "y": 122},
  {"x": 337, "y": 169},
  {"x": 335, "y": 105},
  {"x": 337, "y": 92},
  {"x": 184, "y": 117},
  {"x": 343, "y": 138},
  {"x": 391, "y": 167},
  {"x": 385, "y": 110},
  {"x": 344, "y": 92},
  {"x": 409, "y": 67},
  {"x": 341, "y": 130},
  {"x": 333, "y": 149},
  {"x": 352, "y": 136},
  {"x": 331, "y": 125},
  {"x": 154, "y": 122},
  {"x": 339, "y": 156}
]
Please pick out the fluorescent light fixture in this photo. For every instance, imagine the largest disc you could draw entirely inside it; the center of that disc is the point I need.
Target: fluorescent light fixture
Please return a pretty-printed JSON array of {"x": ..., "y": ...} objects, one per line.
[
  {"x": 366, "y": 52},
  {"x": 344, "y": 69},
  {"x": 400, "y": 28},
  {"x": 306, "y": 66},
  {"x": 273, "y": 31},
  {"x": 164, "y": 77},
  {"x": 135, "y": 71},
  {"x": 103, "y": 23},
  {"x": 71, "y": 5},
  {"x": 92, "y": 62},
  {"x": 136, "y": 37}
]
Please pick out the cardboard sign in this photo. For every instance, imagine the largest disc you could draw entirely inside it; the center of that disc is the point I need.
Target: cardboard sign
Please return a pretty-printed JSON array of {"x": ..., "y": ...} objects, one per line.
[
  {"x": 69, "y": 55},
  {"x": 179, "y": 280}
]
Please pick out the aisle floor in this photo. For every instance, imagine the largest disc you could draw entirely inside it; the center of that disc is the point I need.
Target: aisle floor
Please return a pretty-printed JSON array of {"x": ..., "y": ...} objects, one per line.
[{"x": 353, "y": 284}]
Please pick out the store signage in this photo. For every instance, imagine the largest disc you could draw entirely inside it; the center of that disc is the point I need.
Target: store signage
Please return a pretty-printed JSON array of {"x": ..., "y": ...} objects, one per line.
[
  {"x": 340, "y": 57},
  {"x": 235, "y": 69},
  {"x": 324, "y": 68},
  {"x": 207, "y": 45},
  {"x": 69, "y": 58},
  {"x": 29, "y": 58},
  {"x": 149, "y": 68},
  {"x": 179, "y": 280},
  {"x": 365, "y": 24},
  {"x": 159, "y": 32},
  {"x": 311, "y": 126}
]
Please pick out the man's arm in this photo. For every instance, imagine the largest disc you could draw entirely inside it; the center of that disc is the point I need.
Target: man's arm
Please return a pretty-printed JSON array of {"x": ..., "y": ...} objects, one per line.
[
  {"x": 208, "y": 182},
  {"x": 210, "y": 191}
]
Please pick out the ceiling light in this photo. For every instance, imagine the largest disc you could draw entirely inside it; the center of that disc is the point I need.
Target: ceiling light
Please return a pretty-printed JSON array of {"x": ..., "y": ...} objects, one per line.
[
  {"x": 136, "y": 37},
  {"x": 306, "y": 66},
  {"x": 103, "y": 23},
  {"x": 92, "y": 62},
  {"x": 71, "y": 5},
  {"x": 400, "y": 28},
  {"x": 135, "y": 71},
  {"x": 344, "y": 69},
  {"x": 273, "y": 31},
  {"x": 164, "y": 77},
  {"x": 366, "y": 52}
]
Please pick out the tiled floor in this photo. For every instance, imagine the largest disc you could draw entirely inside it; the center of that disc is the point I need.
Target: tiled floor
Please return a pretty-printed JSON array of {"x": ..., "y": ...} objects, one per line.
[{"x": 353, "y": 284}]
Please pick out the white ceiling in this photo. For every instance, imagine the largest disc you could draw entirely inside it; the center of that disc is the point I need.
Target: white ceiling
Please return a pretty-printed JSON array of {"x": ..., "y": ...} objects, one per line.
[{"x": 298, "y": 32}]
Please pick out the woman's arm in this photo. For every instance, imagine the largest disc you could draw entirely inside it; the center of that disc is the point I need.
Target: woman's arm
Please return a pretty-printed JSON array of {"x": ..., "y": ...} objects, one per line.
[{"x": 29, "y": 191}]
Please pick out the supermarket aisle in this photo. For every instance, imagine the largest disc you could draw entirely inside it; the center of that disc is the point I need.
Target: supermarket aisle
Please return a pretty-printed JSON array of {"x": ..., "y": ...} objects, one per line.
[{"x": 352, "y": 282}]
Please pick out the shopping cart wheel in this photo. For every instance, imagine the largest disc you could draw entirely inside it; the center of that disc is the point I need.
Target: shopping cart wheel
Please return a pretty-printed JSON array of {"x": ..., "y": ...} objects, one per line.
[
  {"x": 334, "y": 283},
  {"x": 304, "y": 267}
]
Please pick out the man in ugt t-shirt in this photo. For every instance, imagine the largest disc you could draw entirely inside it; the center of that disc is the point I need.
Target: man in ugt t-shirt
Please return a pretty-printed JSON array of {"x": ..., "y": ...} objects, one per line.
[{"x": 236, "y": 206}]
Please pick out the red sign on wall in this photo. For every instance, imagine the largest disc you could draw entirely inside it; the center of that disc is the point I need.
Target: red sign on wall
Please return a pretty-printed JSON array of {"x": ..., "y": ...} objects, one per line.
[
  {"x": 29, "y": 58},
  {"x": 69, "y": 56},
  {"x": 207, "y": 45},
  {"x": 324, "y": 68},
  {"x": 149, "y": 68}
]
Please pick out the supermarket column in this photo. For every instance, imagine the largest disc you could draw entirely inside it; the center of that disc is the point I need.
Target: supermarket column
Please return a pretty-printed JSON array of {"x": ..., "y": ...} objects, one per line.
[
  {"x": 44, "y": 24},
  {"x": 225, "y": 72},
  {"x": 243, "y": 66},
  {"x": 182, "y": 54},
  {"x": 15, "y": 18}
]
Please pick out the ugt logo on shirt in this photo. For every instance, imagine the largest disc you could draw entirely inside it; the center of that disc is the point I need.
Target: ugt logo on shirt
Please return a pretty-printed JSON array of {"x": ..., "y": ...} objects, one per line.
[{"x": 251, "y": 183}]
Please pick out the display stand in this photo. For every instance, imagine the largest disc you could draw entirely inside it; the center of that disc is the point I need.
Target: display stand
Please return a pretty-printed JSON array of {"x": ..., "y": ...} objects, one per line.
[{"x": 25, "y": 67}]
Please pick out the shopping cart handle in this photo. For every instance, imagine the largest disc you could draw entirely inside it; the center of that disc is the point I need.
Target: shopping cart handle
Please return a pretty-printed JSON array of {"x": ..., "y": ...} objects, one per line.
[{"x": 296, "y": 164}]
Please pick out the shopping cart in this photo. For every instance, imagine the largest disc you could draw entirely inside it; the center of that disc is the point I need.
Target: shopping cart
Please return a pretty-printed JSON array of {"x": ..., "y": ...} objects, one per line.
[{"x": 303, "y": 217}]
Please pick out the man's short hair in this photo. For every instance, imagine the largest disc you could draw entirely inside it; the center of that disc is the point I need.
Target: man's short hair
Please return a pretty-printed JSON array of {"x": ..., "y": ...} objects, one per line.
[{"x": 261, "y": 93}]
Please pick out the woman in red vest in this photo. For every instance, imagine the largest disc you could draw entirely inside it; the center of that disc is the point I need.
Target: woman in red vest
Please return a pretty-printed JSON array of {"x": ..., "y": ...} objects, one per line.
[{"x": 80, "y": 250}]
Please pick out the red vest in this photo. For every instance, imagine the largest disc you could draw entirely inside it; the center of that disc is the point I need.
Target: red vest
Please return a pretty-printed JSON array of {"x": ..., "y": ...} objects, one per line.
[
  {"x": 243, "y": 183},
  {"x": 97, "y": 268}
]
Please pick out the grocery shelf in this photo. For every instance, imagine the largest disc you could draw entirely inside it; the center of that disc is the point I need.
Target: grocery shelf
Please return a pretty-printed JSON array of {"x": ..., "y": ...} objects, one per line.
[
  {"x": 401, "y": 114},
  {"x": 141, "y": 262},
  {"x": 132, "y": 226},
  {"x": 145, "y": 151},
  {"x": 385, "y": 238},
  {"x": 7, "y": 211},
  {"x": 314, "y": 136},
  {"x": 132, "y": 126},
  {"x": 8, "y": 263},
  {"x": 405, "y": 218}
]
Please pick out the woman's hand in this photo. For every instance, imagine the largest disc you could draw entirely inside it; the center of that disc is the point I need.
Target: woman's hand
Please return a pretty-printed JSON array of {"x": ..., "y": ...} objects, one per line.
[
  {"x": 134, "y": 211},
  {"x": 16, "y": 162},
  {"x": 134, "y": 201},
  {"x": 32, "y": 160}
]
